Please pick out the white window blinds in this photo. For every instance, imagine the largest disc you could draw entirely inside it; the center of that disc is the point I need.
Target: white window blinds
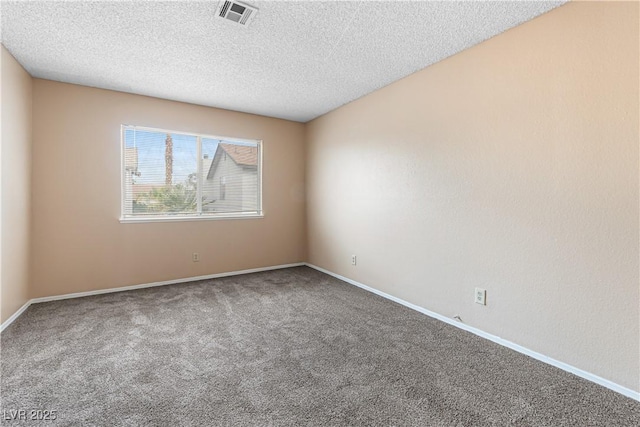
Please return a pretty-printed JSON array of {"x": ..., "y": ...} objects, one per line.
[{"x": 176, "y": 175}]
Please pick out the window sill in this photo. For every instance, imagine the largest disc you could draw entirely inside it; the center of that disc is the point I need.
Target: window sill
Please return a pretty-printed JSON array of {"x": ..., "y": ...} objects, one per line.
[{"x": 135, "y": 220}]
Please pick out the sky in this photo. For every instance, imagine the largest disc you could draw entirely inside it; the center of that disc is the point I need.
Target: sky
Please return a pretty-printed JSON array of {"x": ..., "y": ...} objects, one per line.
[{"x": 151, "y": 149}]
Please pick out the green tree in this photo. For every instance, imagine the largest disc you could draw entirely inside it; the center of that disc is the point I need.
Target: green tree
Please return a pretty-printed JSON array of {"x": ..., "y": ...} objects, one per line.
[{"x": 170, "y": 198}]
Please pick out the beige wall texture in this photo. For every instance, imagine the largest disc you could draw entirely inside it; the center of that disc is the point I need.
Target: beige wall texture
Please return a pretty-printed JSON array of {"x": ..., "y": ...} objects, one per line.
[
  {"x": 79, "y": 243},
  {"x": 16, "y": 87},
  {"x": 512, "y": 166}
]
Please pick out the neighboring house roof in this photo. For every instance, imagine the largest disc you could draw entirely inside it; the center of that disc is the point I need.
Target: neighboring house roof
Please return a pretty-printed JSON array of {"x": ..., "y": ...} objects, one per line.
[{"x": 242, "y": 155}]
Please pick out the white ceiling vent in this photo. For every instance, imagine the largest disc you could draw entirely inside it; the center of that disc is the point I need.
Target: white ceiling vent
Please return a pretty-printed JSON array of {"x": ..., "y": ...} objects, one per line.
[{"x": 237, "y": 12}]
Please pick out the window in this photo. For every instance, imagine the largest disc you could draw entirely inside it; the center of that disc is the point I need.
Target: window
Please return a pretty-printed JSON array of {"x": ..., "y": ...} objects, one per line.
[
  {"x": 223, "y": 188},
  {"x": 171, "y": 175}
]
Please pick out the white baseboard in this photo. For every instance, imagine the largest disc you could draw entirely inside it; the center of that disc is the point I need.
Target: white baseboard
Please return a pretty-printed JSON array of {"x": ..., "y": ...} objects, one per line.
[
  {"x": 516, "y": 347},
  {"x": 15, "y": 315},
  {"x": 142, "y": 286},
  {"x": 164, "y": 283},
  {"x": 513, "y": 346}
]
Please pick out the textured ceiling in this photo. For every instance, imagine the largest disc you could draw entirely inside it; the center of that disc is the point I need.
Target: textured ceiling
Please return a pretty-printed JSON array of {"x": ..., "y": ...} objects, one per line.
[{"x": 297, "y": 60}]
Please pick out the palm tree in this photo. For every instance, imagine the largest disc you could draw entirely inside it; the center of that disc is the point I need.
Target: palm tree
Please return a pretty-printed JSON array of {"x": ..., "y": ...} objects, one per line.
[{"x": 168, "y": 159}]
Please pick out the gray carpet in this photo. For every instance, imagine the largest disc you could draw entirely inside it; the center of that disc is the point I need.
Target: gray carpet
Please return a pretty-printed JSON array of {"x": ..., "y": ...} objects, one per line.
[{"x": 289, "y": 347}]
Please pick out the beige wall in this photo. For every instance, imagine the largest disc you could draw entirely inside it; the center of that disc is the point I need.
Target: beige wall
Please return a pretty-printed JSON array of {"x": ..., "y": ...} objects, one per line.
[
  {"x": 79, "y": 243},
  {"x": 512, "y": 166},
  {"x": 16, "y": 89}
]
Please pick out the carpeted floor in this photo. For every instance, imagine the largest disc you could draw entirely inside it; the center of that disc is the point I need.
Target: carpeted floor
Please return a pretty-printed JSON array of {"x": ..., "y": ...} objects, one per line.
[{"x": 285, "y": 348}]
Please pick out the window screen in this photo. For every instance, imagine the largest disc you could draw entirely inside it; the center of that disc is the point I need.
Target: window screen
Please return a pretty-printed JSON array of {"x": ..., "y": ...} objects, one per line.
[{"x": 176, "y": 175}]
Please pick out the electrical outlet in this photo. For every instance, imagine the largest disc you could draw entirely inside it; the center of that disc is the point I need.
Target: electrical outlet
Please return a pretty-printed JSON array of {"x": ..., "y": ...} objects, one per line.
[
  {"x": 195, "y": 257},
  {"x": 481, "y": 296},
  {"x": 353, "y": 260}
]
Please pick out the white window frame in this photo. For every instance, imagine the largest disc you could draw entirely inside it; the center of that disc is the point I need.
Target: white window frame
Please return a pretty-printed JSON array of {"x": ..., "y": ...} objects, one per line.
[{"x": 259, "y": 213}]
